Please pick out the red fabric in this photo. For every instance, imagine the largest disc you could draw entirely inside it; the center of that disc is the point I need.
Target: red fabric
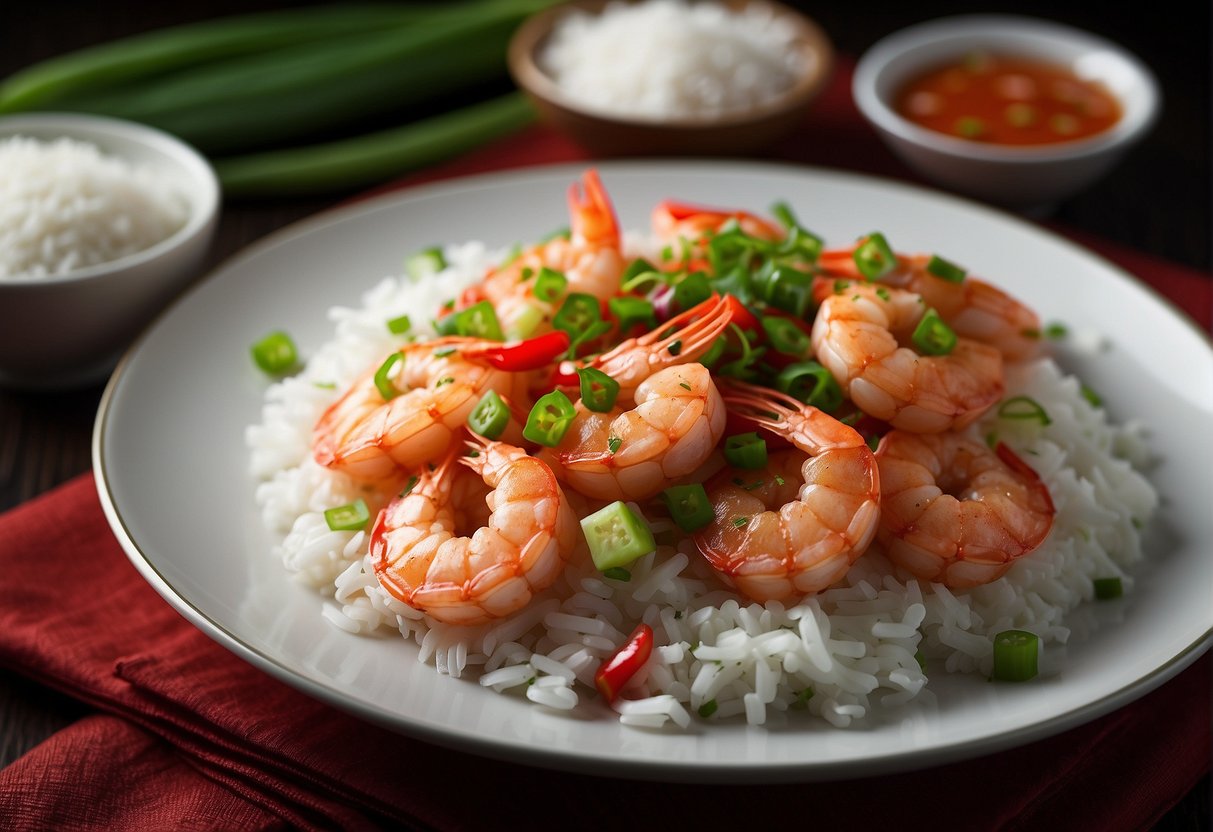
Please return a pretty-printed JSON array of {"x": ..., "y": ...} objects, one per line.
[{"x": 189, "y": 736}]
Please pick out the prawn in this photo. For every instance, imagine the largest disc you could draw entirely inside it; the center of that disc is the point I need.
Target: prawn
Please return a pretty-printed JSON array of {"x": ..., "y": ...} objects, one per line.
[
  {"x": 797, "y": 526},
  {"x": 677, "y": 419},
  {"x": 955, "y": 511},
  {"x": 858, "y": 336},
  {"x": 972, "y": 307},
  {"x": 469, "y": 574},
  {"x": 436, "y": 386},
  {"x": 672, "y": 221},
  {"x": 591, "y": 260}
]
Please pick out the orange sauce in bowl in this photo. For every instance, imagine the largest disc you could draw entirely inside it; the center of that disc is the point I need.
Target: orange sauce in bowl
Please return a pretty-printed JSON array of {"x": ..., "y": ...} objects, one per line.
[{"x": 1001, "y": 99}]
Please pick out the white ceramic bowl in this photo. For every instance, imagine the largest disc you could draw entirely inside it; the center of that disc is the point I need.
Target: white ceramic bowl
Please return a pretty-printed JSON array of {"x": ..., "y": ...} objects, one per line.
[
  {"x": 69, "y": 330},
  {"x": 1017, "y": 177}
]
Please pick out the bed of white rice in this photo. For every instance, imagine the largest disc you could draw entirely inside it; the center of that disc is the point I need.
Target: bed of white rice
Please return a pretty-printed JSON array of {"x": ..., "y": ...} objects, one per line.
[{"x": 865, "y": 645}]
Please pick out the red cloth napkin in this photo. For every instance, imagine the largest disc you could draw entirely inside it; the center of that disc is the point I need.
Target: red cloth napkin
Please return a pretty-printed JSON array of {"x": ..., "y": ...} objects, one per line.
[{"x": 186, "y": 735}]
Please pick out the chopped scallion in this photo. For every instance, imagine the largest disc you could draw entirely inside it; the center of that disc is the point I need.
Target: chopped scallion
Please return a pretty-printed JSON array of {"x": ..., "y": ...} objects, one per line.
[
  {"x": 400, "y": 325},
  {"x": 598, "y": 390},
  {"x": 945, "y": 269},
  {"x": 616, "y": 536},
  {"x": 746, "y": 450},
  {"x": 811, "y": 383},
  {"x": 348, "y": 518},
  {"x": 1108, "y": 588},
  {"x": 1016, "y": 654},
  {"x": 688, "y": 506},
  {"x": 490, "y": 416},
  {"x": 383, "y": 381},
  {"x": 1026, "y": 408},
  {"x": 785, "y": 336},
  {"x": 874, "y": 256},
  {"x": 932, "y": 336},
  {"x": 549, "y": 419}
]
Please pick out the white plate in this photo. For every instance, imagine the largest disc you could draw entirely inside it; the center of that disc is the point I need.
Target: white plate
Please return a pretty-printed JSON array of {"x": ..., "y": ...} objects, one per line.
[{"x": 172, "y": 469}]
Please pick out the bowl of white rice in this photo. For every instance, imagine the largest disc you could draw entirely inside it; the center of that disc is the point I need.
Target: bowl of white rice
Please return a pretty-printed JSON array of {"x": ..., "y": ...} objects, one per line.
[
  {"x": 672, "y": 77},
  {"x": 102, "y": 223}
]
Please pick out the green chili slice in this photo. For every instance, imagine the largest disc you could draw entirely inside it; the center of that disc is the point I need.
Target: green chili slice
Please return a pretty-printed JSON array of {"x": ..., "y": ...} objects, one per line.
[
  {"x": 790, "y": 290},
  {"x": 550, "y": 285},
  {"x": 692, "y": 290},
  {"x": 348, "y": 518},
  {"x": 577, "y": 314},
  {"x": 811, "y": 383},
  {"x": 944, "y": 269},
  {"x": 490, "y": 416},
  {"x": 598, "y": 390},
  {"x": 630, "y": 311},
  {"x": 275, "y": 353},
  {"x": 874, "y": 257},
  {"x": 549, "y": 419},
  {"x": 932, "y": 336},
  {"x": 616, "y": 536},
  {"x": 746, "y": 450},
  {"x": 688, "y": 506},
  {"x": 383, "y": 381},
  {"x": 785, "y": 336},
  {"x": 1026, "y": 408},
  {"x": 1016, "y": 654}
]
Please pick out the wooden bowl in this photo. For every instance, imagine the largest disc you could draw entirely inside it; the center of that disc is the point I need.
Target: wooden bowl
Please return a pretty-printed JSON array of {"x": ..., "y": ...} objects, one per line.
[{"x": 733, "y": 132}]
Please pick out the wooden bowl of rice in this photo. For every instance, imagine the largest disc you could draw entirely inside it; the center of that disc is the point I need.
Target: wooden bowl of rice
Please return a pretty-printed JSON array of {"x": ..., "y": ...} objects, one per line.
[
  {"x": 103, "y": 222},
  {"x": 672, "y": 77}
]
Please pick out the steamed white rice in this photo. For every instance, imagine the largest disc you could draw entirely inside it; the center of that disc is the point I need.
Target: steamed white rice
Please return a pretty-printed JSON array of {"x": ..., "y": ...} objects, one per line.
[{"x": 842, "y": 656}]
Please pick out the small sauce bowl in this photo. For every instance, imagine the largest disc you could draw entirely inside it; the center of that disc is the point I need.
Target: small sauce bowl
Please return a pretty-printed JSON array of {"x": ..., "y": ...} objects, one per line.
[
  {"x": 727, "y": 133},
  {"x": 68, "y": 330},
  {"x": 1027, "y": 178}
]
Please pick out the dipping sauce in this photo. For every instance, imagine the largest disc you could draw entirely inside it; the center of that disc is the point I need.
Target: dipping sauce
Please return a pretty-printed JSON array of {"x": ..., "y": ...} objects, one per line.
[{"x": 1007, "y": 100}]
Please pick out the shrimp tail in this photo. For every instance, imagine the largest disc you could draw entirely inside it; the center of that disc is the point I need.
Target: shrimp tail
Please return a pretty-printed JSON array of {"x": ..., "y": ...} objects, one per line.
[{"x": 590, "y": 211}]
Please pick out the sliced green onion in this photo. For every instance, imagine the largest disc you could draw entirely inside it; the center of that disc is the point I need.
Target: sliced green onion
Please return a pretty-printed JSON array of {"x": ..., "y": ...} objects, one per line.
[
  {"x": 399, "y": 326},
  {"x": 692, "y": 290},
  {"x": 1015, "y": 655},
  {"x": 945, "y": 269},
  {"x": 617, "y": 573},
  {"x": 785, "y": 336},
  {"x": 1108, "y": 588},
  {"x": 348, "y": 518},
  {"x": 577, "y": 314},
  {"x": 1026, "y": 408},
  {"x": 707, "y": 708},
  {"x": 426, "y": 262},
  {"x": 613, "y": 443},
  {"x": 616, "y": 536},
  {"x": 874, "y": 257},
  {"x": 275, "y": 353},
  {"x": 688, "y": 506},
  {"x": 630, "y": 311},
  {"x": 1091, "y": 396},
  {"x": 790, "y": 290},
  {"x": 1056, "y": 331},
  {"x": 383, "y": 383},
  {"x": 637, "y": 267},
  {"x": 490, "y": 416},
  {"x": 479, "y": 321},
  {"x": 739, "y": 522},
  {"x": 550, "y": 285},
  {"x": 811, "y": 383},
  {"x": 525, "y": 323},
  {"x": 598, "y": 390},
  {"x": 932, "y": 336},
  {"x": 746, "y": 450},
  {"x": 549, "y": 419}
]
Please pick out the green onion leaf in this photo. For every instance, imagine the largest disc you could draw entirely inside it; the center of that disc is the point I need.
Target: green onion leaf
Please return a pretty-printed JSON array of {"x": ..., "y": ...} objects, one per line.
[
  {"x": 746, "y": 450},
  {"x": 383, "y": 381},
  {"x": 932, "y": 336},
  {"x": 707, "y": 708},
  {"x": 1015, "y": 655},
  {"x": 598, "y": 390},
  {"x": 348, "y": 518},
  {"x": 688, "y": 506},
  {"x": 490, "y": 416},
  {"x": 275, "y": 353},
  {"x": 549, "y": 419},
  {"x": 616, "y": 536}
]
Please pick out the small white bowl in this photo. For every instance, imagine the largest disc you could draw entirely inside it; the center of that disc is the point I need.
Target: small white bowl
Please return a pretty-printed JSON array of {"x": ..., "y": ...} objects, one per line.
[
  {"x": 1023, "y": 178},
  {"x": 69, "y": 330}
]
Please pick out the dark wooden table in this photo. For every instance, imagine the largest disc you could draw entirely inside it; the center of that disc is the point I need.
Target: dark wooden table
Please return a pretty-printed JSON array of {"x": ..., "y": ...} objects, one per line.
[{"x": 1157, "y": 201}]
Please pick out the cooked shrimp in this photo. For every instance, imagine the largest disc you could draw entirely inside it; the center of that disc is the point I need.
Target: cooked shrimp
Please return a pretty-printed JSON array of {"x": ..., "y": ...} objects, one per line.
[
  {"x": 633, "y": 454},
  {"x": 439, "y": 382},
  {"x": 973, "y": 308},
  {"x": 858, "y": 336},
  {"x": 673, "y": 221},
  {"x": 956, "y": 512},
  {"x": 786, "y": 532},
  {"x": 630, "y": 453},
  {"x": 472, "y": 574},
  {"x": 590, "y": 259}
]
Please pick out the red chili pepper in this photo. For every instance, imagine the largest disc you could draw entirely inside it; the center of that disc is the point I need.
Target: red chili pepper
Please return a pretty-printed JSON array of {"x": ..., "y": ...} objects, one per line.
[
  {"x": 741, "y": 316},
  {"x": 531, "y": 354},
  {"x": 616, "y": 671},
  {"x": 565, "y": 375}
]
